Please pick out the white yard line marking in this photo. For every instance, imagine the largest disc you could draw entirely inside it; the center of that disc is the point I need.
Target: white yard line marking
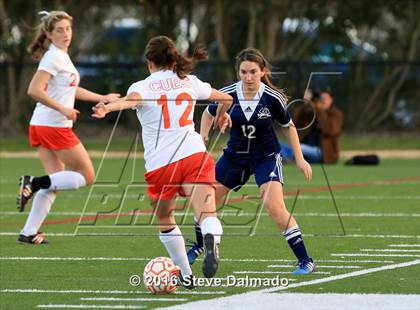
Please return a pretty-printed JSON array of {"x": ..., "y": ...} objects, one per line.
[
  {"x": 391, "y": 250},
  {"x": 405, "y": 245},
  {"x": 85, "y": 306},
  {"x": 353, "y": 261},
  {"x": 15, "y": 233},
  {"x": 375, "y": 255},
  {"x": 132, "y": 299},
  {"x": 235, "y": 214},
  {"x": 370, "y": 236},
  {"x": 310, "y": 197},
  {"x": 305, "y": 301},
  {"x": 256, "y": 299},
  {"x": 228, "y": 260},
  {"x": 274, "y": 272},
  {"x": 41, "y": 291},
  {"x": 317, "y": 266},
  {"x": 70, "y": 213},
  {"x": 75, "y": 258},
  {"x": 346, "y": 275}
]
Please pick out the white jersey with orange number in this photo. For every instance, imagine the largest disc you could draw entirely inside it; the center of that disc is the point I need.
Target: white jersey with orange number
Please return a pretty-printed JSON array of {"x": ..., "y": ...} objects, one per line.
[
  {"x": 166, "y": 116},
  {"x": 61, "y": 87}
]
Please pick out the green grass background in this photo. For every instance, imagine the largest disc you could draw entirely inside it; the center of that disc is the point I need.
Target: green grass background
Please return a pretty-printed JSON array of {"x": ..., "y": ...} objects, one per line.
[{"x": 137, "y": 237}]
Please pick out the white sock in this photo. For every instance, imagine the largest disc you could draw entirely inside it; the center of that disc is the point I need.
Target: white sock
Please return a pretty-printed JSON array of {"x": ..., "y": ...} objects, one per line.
[
  {"x": 212, "y": 225},
  {"x": 175, "y": 245},
  {"x": 41, "y": 206},
  {"x": 65, "y": 180}
]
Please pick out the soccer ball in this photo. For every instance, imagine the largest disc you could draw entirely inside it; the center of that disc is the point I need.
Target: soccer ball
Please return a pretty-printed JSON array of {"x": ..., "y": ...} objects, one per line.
[{"x": 161, "y": 276}]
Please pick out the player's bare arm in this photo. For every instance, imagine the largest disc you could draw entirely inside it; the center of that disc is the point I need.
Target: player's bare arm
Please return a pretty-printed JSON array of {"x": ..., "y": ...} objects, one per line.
[
  {"x": 292, "y": 136},
  {"x": 224, "y": 102},
  {"x": 38, "y": 91},
  {"x": 207, "y": 122},
  {"x": 87, "y": 95},
  {"x": 128, "y": 102}
]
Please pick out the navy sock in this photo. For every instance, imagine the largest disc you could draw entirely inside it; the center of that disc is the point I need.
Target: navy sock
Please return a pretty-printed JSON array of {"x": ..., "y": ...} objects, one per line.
[
  {"x": 40, "y": 182},
  {"x": 198, "y": 235},
  {"x": 294, "y": 238}
]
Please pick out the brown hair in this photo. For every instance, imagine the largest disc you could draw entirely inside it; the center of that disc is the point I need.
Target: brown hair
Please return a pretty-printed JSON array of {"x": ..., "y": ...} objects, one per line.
[
  {"x": 254, "y": 55},
  {"x": 162, "y": 52},
  {"x": 39, "y": 44}
]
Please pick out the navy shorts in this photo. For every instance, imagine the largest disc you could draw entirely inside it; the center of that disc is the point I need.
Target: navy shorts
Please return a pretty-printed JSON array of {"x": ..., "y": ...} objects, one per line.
[{"x": 234, "y": 171}]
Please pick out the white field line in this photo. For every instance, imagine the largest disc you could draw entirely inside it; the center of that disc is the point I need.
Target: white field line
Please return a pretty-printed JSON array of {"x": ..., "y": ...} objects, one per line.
[
  {"x": 85, "y": 306},
  {"x": 318, "y": 266},
  {"x": 375, "y": 255},
  {"x": 132, "y": 299},
  {"x": 274, "y": 272},
  {"x": 346, "y": 275},
  {"x": 75, "y": 258},
  {"x": 370, "y": 236},
  {"x": 405, "y": 245},
  {"x": 15, "y": 233},
  {"x": 227, "y": 260},
  {"x": 71, "y": 213},
  {"x": 306, "y": 301},
  {"x": 315, "y": 197},
  {"x": 235, "y": 214},
  {"x": 391, "y": 250},
  {"x": 41, "y": 291},
  {"x": 254, "y": 299}
]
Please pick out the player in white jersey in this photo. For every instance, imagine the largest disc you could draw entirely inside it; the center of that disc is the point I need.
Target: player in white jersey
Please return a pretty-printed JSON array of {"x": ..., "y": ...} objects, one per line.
[
  {"x": 175, "y": 154},
  {"x": 55, "y": 88}
]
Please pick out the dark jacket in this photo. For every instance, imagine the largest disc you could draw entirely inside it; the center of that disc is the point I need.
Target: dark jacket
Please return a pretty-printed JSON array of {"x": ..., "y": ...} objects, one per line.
[{"x": 328, "y": 124}]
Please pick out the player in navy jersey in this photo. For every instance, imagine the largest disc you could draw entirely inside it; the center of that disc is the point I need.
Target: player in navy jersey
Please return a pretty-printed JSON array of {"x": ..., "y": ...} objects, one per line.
[{"x": 253, "y": 148}]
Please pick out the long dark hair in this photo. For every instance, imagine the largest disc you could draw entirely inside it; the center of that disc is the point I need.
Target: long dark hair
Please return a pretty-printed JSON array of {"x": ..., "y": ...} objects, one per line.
[
  {"x": 254, "y": 55},
  {"x": 162, "y": 52},
  {"x": 39, "y": 44}
]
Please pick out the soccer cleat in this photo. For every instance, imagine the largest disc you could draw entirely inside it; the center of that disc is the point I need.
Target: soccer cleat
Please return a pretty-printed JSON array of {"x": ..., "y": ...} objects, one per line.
[
  {"x": 195, "y": 251},
  {"x": 38, "y": 238},
  {"x": 305, "y": 266},
  {"x": 211, "y": 256},
  {"x": 187, "y": 281},
  {"x": 25, "y": 193}
]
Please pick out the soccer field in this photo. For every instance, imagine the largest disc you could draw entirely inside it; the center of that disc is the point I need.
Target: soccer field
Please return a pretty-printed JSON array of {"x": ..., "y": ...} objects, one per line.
[{"x": 368, "y": 242}]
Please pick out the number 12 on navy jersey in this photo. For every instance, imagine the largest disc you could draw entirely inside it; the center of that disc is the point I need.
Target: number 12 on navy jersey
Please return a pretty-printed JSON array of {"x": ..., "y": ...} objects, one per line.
[{"x": 248, "y": 131}]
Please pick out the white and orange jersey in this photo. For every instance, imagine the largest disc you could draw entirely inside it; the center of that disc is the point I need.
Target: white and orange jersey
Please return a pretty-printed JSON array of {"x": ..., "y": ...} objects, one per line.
[
  {"x": 166, "y": 116},
  {"x": 61, "y": 87}
]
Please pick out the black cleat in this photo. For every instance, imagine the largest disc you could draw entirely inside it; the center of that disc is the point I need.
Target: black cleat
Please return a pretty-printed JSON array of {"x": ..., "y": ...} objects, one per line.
[
  {"x": 38, "y": 238},
  {"x": 211, "y": 256},
  {"x": 25, "y": 193},
  {"x": 187, "y": 281}
]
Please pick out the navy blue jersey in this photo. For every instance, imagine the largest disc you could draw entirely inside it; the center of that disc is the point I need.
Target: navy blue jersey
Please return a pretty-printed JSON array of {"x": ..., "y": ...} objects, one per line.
[{"x": 252, "y": 134}]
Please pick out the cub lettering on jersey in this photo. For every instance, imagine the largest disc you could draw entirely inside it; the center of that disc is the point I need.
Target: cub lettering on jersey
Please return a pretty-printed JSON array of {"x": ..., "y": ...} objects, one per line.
[
  {"x": 170, "y": 84},
  {"x": 166, "y": 116}
]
